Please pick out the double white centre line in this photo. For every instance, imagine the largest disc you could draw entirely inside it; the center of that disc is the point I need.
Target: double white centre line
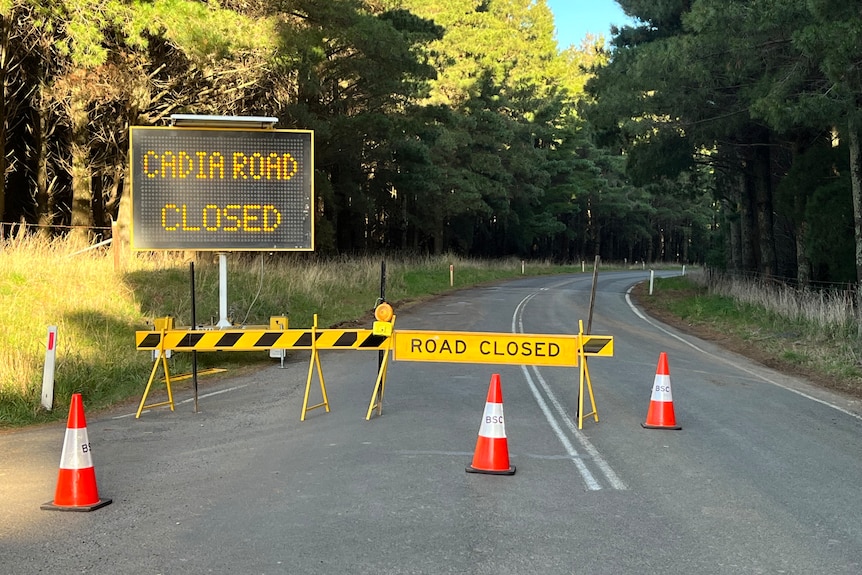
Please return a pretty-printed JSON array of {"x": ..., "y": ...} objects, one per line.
[{"x": 555, "y": 413}]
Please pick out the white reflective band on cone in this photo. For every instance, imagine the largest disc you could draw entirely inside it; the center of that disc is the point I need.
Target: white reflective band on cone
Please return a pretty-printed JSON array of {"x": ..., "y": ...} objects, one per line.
[
  {"x": 492, "y": 421},
  {"x": 661, "y": 388},
  {"x": 76, "y": 450}
]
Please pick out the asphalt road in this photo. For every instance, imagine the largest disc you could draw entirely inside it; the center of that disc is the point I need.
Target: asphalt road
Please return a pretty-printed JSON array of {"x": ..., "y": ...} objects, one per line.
[{"x": 764, "y": 476}]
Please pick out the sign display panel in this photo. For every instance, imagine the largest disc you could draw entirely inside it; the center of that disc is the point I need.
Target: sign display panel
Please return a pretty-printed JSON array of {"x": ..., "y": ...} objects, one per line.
[
  {"x": 500, "y": 348},
  {"x": 222, "y": 190},
  {"x": 477, "y": 347}
]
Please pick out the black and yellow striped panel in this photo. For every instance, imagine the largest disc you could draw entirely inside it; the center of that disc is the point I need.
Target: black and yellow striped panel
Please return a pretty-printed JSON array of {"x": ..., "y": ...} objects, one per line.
[
  {"x": 259, "y": 339},
  {"x": 602, "y": 345}
]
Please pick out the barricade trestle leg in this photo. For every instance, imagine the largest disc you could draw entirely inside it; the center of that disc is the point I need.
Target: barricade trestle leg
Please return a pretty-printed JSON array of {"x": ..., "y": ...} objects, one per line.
[{"x": 314, "y": 362}]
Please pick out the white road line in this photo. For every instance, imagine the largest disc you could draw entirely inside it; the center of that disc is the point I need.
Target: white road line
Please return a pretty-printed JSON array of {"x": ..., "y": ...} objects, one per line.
[
  {"x": 191, "y": 399},
  {"x": 737, "y": 366},
  {"x": 589, "y": 479},
  {"x": 591, "y": 450},
  {"x": 591, "y": 482}
]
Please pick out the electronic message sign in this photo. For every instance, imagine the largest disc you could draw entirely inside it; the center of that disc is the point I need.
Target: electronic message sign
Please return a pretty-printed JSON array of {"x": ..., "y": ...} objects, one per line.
[{"x": 222, "y": 190}]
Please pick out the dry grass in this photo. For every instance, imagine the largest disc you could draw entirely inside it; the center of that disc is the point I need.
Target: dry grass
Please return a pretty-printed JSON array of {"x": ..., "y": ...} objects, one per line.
[
  {"x": 828, "y": 310},
  {"x": 811, "y": 333}
]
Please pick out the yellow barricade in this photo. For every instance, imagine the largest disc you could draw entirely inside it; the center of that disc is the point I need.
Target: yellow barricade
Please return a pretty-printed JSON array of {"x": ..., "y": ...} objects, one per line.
[
  {"x": 561, "y": 350},
  {"x": 165, "y": 338}
]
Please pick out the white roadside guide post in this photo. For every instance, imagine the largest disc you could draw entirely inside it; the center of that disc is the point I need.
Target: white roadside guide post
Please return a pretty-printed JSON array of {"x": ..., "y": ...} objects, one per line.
[{"x": 48, "y": 373}]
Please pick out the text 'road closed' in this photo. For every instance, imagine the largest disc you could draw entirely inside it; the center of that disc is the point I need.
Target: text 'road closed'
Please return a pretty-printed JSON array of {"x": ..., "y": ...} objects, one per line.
[
  {"x": 475, "y": 347},
  {"x": 437, "y": 345}
]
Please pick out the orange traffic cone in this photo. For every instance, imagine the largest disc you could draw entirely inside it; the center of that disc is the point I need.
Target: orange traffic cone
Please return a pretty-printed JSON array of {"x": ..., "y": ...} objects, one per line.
[
  {"x": 660, "y": 414},
  {"x": 492, "y": 449},
  {"x": 76, "y": 484}
]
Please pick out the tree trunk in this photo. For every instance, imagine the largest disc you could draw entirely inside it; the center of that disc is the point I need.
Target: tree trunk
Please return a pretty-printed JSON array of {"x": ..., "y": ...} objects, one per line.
[
  {"x": 439, "y": 237},
  {"x": 746, "y": 226},
  {"x": 803, "y": 263},
  {"x": 686, "y": 241},
  {"x": 856, "y": 184},
  {"x": 44, "y": 205},
  {"x": 650, "y": 252},
  {"x": 98, "y": 191},
  {"x": 405, "y": 221},
  {"x": 729, "y": 179},
  {"x": 5, "y": 24},
  {"x": 597, "y": 237},
  {"x": 734, "y": 242},
  {"x": 800, "y": 224},
  {"x": 762, "y": 181},
  {"x": 82, "y": 191}
]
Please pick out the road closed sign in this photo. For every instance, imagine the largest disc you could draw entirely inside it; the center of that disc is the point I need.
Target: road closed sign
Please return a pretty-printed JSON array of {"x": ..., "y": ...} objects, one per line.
[
  {"x": 222, "y": 189},
  {"x": 477, "y": 347}
]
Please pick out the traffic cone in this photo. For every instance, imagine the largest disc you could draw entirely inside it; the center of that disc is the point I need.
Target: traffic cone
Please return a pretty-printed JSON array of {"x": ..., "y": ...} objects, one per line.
[
  {"x": 492, "y": 449},
  {"x": 660, "y": 414},
  {"x": 76, "y": 484}
]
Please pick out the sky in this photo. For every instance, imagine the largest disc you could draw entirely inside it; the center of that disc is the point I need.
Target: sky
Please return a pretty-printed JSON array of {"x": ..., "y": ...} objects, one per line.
[{"x": 576, "y": 18}]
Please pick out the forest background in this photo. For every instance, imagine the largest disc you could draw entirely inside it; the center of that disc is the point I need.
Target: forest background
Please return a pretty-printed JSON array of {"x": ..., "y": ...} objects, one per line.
[{"x": 716, "y": 131}]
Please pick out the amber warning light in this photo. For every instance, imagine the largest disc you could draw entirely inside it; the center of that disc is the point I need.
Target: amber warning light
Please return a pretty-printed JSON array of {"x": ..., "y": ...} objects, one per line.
[
  {"x": 222, "y": 190},
  {"x": 383, "y": 312}
]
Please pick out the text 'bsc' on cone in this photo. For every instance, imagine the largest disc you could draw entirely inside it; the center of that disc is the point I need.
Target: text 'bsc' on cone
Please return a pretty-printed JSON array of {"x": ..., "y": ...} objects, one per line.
[
  {"x": 660, "y": 414},
  {"x": 492, "y": 449},
  {"x": 76, "y": 483}
]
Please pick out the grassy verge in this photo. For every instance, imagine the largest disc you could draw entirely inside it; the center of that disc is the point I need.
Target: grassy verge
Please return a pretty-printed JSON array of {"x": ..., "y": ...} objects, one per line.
[
  {"x": 809, "y": 334},
  {"x": 98, "y": 306}
]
